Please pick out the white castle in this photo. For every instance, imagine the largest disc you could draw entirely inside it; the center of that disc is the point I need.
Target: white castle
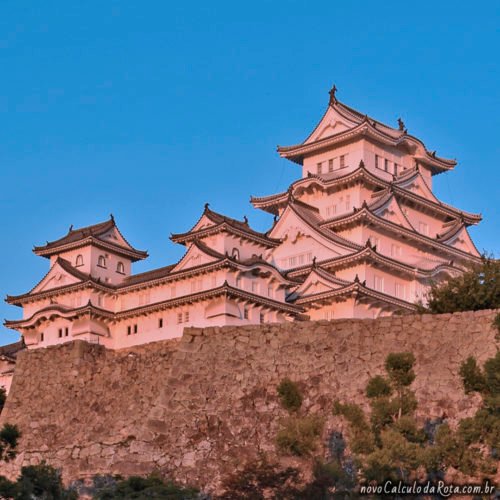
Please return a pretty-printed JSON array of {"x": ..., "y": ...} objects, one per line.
[{"x": 360, "y": 234}]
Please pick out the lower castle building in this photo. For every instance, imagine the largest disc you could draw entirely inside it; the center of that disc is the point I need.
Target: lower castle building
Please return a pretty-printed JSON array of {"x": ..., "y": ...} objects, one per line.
[{"x": 359, "y": 234}]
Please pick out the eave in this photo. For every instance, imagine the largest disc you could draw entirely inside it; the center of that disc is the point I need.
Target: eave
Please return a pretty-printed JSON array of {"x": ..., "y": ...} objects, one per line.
[
  {"x": 364, "y": 214},
  {"x": 134, "y": 255}
]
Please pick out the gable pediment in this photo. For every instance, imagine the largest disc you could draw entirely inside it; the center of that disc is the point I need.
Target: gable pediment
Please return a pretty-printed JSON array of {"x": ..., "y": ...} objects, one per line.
[
  {"x": 332, "y": 123},
  {"x": 55, "y": 278},
  {"x": 114, "y": 236},
  {"x": 462, "y": 241},
  {"x": 418, "y": 186},
  {"x": 392, "y": 212},
  {"x": 194, "y": 256}
]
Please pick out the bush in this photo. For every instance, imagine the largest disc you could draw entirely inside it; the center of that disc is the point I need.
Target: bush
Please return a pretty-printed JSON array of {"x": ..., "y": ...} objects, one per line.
[
  {"x": 44, "y": 482},
  {"x": 144, "y": 488},
  {"x": 299, "y": 435},
  {"x": 9, "y": 436},
  {"x": 290, "y": 395},
  {"x": 378, "y": 386},
  {"x": 472, "y": 376}
]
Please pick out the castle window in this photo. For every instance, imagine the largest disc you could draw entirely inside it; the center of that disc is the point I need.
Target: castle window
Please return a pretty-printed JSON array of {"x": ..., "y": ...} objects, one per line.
[
  {"x": 79, "y": 260},
  {"x": 60, "y": 332},
  {"x": 238, "y": 282},
  {"x": 270, "y": 291},
  {"x": 318, "y": 168},
  {"x": 396, "y": 250},
  {"x": 101, "y": 261},
  {"x": 400, "y": 290},
  {"x": 129, "y": 330},
  {"x": 386, "y": 165},
  {"x": 41, "y": 337},
  {"x": 186, "y": 317},
  {"x": 66, "y": 332},
  {"x": 330, "y": 165},
  {"x": 135, "y": 328},
  {"x": 245, "y": 313},
  {"x": 235, "y": 254},
  {"x": 262, "y": 317},
  {"x": 160, "y": 323},
  {"x": 378, "y": 283},
  {"x": 120, "y": 268},
  {"x": 423, "y": 228},
  {"x": 396, "y": 166},
  {"x": 342, "y": 161},
  {"x": 179, "y": 318}
]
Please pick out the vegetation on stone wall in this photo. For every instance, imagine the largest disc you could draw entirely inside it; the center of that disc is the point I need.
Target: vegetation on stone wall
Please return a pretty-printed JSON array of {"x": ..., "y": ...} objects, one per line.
[
  {"x": 9, "y": 437},
  {"x": 389, "y": 444}
]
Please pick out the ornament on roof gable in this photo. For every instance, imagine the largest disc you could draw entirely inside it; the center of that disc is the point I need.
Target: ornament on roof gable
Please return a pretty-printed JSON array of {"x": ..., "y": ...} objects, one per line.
[
  {"x": 70, "y": 228},
  {"x": 112, "y": 218},
  {"x": 401, "y": 124},
  {"x": 245, "y": 219},
  {"x": 356, "y": 279},
  {"x": 332, "y": 92}
]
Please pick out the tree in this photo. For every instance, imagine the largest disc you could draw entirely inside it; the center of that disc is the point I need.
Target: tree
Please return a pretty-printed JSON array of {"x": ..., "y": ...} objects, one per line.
[{"x": 477, "y": 288}]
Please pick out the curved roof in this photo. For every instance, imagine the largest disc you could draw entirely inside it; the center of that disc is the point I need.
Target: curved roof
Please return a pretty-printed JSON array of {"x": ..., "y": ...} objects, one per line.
[
  {"x": 76, "y": 238},
  {"x": 356, "y": 124},
  {"x": 272, "y": 202},
  {"x": 223, "y": 223}
]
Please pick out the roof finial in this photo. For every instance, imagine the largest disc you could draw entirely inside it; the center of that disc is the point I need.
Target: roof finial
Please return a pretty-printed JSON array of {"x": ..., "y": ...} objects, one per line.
[
  {"x": 361, "y": 164},
  {"x": 112, "y": 217},
  {"x": 245, "y": 219},
  {"x": 314, "y": 261},
  {"x": 356, "y": 279},
  {"x": 401, "y": 124},
  {"x": 70, "y": 228},
  {"x": 333, "y": 99},
  {"x": 207, "y": 205},
  {"x": 275, "y": 218}
]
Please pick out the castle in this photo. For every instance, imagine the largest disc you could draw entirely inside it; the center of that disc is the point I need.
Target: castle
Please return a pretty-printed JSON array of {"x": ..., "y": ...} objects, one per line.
[{"x": 360, "y": 234}]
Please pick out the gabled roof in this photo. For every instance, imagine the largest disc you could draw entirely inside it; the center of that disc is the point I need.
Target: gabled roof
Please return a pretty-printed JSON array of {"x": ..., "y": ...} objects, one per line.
[
  {"x": 273, "y": 203},
  {"x": 104, "y": 234},
  {"x": 365, "y": 214},
  {"x": 223, "y": 223},
  {"x": 341, "y": 123},
  {"x": 310, "y": 217},
  {"x": 357, "y": 289},
  {"x": 369, "y": 254}
]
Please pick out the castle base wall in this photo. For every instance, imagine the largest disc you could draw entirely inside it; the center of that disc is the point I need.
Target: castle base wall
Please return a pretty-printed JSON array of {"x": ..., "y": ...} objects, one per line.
[{"x": 201, "y": 406}]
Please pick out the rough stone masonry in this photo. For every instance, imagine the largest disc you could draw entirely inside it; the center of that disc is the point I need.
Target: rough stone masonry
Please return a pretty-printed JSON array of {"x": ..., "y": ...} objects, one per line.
[{"x": 201, "y": 406}]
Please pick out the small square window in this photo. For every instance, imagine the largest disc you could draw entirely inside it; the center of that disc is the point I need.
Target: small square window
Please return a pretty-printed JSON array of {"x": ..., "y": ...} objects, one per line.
[
  {"x": 129, "y": 330},
  {"x": 41, "y": 337},
  {"x": 66, "y": 332},
  {"x": 330, "y": 165},
  {"x": 179, "y": 318},
  {"x": 186, "y": 316},
  {"x": 160, "y": 323},
  {"x": 135, "y": 328},
  {"x": 60, "y": 332}
]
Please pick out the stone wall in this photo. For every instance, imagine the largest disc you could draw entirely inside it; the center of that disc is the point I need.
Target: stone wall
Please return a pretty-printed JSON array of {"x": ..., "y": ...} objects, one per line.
[{"x": 201, "y": 406}]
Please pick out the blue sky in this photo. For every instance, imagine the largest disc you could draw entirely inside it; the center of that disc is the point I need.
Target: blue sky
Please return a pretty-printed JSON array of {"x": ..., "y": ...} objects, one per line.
[{"x": 150, "y": 109}]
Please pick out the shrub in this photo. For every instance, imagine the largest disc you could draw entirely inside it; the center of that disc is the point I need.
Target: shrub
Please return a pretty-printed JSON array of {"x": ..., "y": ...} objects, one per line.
[
  {"x": 472, "y": 376},
  {"x": 299, "y": 435},
  {"x": 9, "y": 436},
  {"x": 378, "y": 386},
  {"x": 144, "y": 488},
  {"x": 290, "y": 395}
]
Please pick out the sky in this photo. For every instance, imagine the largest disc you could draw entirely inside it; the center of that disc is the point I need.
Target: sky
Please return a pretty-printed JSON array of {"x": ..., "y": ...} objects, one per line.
[{"x": 148, "y": 110}]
